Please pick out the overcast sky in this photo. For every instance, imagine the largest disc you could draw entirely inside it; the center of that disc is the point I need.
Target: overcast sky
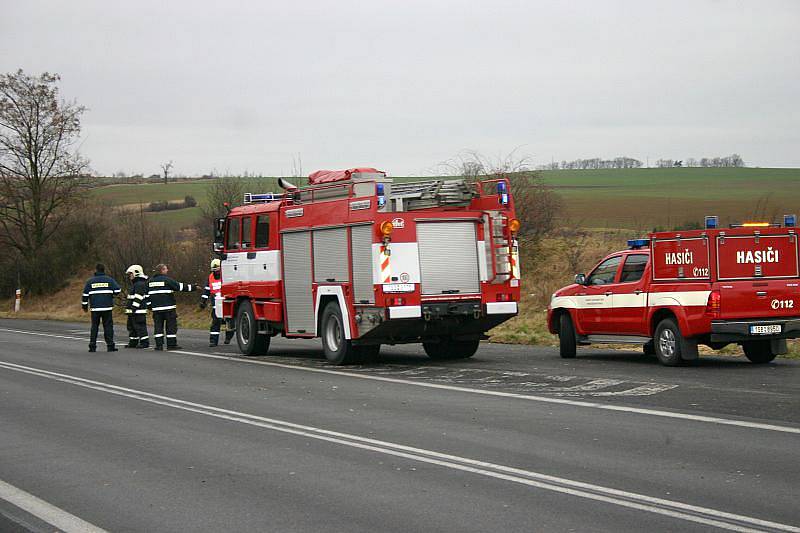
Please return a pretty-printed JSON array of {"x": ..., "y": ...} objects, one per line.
[{"x": 233, "y": 86}]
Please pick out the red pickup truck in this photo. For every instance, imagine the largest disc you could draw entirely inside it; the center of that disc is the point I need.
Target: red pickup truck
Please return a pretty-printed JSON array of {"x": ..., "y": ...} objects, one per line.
[{"x": 676, "y": 290}]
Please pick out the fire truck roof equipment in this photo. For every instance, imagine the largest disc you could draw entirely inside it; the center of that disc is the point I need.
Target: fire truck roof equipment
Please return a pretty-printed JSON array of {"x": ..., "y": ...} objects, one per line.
[{"x": 330, "y": 176}]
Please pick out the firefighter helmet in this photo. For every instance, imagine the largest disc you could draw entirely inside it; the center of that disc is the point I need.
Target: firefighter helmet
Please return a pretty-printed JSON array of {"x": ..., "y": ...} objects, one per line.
[
  {"x": 136, "y": 270},
  {"x": 215, "y": 264}
]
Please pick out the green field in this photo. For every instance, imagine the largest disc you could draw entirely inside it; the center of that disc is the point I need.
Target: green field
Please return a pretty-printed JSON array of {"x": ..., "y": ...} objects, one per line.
[
  {"x": 638, "y": 199},
  {"x": 646, "y": 198}
]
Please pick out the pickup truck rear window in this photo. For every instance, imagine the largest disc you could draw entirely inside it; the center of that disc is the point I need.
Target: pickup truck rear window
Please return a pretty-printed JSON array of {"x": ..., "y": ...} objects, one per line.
[{"x": 633, "y": 269}]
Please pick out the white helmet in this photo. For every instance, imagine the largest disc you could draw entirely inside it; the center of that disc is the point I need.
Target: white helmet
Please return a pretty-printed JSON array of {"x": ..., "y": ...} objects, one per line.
[
  {"x": 216, "y": 264},
  {"x": 136, "y": 270}
]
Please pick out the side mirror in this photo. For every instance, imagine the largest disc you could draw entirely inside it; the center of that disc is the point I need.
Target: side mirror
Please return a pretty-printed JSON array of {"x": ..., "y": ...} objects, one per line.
[
  {"x": 580, "y": 279},
  {"x": 218, "y": 247}
]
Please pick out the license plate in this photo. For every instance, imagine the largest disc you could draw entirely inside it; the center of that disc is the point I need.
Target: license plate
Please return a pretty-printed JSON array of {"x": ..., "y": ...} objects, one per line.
[
  {"x": 398, "y": 287},
  {"x": 765, "y": 330}
]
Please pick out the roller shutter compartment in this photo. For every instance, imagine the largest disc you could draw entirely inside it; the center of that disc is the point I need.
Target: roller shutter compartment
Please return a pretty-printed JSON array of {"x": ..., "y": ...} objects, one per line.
[
  {"x": 448, "y": 258},
  {"x": 330, "y": 255},
  {"x": 361, "y": 245},
  {"x": 297, "y": 282}
]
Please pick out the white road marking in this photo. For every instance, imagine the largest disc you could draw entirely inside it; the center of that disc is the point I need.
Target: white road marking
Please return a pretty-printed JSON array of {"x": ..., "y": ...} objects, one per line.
[
  {"x": 500, "y": 394},
  {"x": 631, "y": 500},
  {"x": 56, "y": 517}
]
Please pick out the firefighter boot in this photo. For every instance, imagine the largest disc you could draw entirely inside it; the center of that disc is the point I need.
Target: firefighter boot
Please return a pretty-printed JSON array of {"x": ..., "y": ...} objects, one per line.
[
  {"x": 143, "y": 344},
  {"x": 112, "y": 348},
  {"x": 229, "y": 335}
]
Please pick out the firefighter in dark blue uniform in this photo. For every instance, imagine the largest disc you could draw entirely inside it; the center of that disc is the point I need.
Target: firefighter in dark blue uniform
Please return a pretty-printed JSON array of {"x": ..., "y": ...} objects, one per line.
[
  {"x": 161, "y": 291},
  {"x": 98, "y": 297},
  {"x": 137, "y": 308}
]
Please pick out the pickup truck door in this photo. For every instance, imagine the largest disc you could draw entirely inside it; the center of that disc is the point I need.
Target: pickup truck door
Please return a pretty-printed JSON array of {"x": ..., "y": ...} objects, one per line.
[
  {"x": 594, "y": 299},
  {"x": 629, "y": 298}
]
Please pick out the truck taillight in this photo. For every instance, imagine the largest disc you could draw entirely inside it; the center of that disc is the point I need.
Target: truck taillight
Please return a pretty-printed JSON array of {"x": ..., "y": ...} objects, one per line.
[
  {"x": 501, "y": 297},
  {"x": 714, "y": 304},
  {"x": 395, "y": 302}
]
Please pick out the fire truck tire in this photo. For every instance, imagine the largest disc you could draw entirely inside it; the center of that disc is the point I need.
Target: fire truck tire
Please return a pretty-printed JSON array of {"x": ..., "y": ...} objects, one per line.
[
  {"x": 670, "y": 344},
  {"x": 338, "y": 349},
  {"x": 759, "y": 352},
  {"x": 451, "y": 349},
  {"x": 567, "y": 341},
  {"x": 247, "y": 337}
]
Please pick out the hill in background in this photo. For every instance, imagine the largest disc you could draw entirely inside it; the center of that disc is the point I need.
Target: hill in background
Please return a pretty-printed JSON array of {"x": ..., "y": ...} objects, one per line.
[{"x": 639, "y": 199}]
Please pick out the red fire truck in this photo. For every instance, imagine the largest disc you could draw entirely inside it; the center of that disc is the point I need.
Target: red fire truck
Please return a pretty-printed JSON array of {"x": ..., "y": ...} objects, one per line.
[
  {"x": 362, "y": 260},
  {"x": 678, "y": 289}
]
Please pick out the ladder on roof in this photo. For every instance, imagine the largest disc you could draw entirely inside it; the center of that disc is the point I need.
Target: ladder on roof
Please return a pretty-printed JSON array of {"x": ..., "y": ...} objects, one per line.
[{"x": 431, "y": 193}]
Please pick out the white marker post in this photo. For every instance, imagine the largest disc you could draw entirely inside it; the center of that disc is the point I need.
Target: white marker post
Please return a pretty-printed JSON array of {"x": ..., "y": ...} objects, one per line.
[{"x": 17, "y": 300}]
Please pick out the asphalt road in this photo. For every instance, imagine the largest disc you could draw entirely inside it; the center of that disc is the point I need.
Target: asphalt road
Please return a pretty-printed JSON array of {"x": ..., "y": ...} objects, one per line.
[{"x": 514, "y": 439}]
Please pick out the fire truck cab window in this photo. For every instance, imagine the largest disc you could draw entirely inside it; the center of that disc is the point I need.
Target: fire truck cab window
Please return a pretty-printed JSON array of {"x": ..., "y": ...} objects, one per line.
[
  {"x": 633, "y": 269},
  {"x": 605, "y": 272},
  {"x": 232, "y": 240},
  {"x": 247, "y": 233},
  {"x": 262, "y": 231}
]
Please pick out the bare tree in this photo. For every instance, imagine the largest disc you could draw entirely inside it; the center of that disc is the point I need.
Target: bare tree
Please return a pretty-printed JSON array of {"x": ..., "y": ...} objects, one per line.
[
  {"x": 225, "y": 190},
  {"x": 41, "y": 171},
  {"x": 538, "y": 206},
  {"x": 166, "y": 167}
]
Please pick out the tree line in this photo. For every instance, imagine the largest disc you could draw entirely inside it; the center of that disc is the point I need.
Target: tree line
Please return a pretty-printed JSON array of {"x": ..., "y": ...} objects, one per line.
[{"x": 595, "y": 163}]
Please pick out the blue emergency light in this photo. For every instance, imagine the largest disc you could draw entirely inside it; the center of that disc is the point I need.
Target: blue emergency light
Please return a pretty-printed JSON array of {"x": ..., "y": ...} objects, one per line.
[
  {"x": 635, "y": 244},
  {"x": 712, "y": 222},
  {"x": 502, "y": 192},
  {"x": 381, "y": 190},
  {"x": 789, "y": 221},
  {"x": 250, "y": 198}
]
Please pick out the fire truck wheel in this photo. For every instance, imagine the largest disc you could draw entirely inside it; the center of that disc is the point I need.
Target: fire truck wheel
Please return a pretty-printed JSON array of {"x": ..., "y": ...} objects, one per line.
[
  {"x": 338, "y": 349},
  {"x": 568, "y": 343},
  {"x": 451, "y": 349},
  {"x": 247, "y": 337},
  {"x": 669, "y": 343},
  {"x": 759, "y": 352}
]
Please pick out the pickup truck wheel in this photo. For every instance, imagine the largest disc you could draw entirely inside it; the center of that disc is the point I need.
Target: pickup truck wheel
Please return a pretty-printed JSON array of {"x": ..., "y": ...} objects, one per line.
[
  {"x": 759, "y": 352},
  {"x": 669, "y": 343},
  {"x": 247, "y": 337},
  {"x": 338, "y": 349},
  {"x": 568, "y": 343},
  {"x": 451, "y": 349}
]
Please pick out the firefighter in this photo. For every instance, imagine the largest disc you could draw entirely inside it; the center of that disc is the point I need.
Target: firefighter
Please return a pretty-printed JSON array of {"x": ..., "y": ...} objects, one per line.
[
  {"x": 137, "y": 308},
  {"x": 213, "y": 291},
  {"x": 98, "y": 297},
  {"x": 161, "y": 291}
]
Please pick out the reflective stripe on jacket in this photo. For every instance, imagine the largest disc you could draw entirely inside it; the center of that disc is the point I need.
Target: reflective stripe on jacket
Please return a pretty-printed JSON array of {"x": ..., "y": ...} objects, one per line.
[{"x": 98, "y": 293}]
